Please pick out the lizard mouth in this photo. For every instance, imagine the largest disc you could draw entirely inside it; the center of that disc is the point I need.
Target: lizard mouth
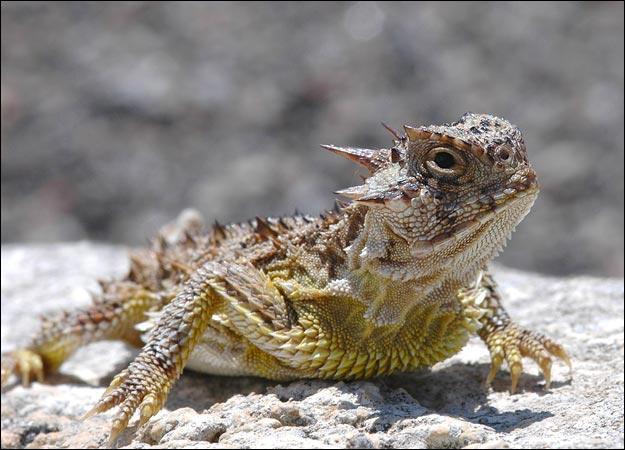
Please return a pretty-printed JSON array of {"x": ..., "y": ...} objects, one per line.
[{"x": 516, "y": 205}]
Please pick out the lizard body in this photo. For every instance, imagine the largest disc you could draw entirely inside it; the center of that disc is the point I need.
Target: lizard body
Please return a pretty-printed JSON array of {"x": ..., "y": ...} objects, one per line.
[{"x": 395, "y": 280}]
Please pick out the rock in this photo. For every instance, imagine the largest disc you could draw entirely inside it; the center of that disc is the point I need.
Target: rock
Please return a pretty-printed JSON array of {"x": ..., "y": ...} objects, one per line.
[{"x": 444, "y": 407}]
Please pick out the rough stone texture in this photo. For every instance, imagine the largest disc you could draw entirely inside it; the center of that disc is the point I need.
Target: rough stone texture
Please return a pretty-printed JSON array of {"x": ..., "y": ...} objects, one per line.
[
  {"x": 445, "y": 407},
  {"x": 115, "y": 113}
]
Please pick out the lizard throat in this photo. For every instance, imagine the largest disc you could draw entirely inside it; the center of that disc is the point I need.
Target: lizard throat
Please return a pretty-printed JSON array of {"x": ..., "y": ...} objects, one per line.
[{"x": 386, "y": 251}]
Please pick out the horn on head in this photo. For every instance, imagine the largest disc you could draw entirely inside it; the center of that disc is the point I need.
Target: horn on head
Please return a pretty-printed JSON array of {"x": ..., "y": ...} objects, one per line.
[{"x": 366, "y": 157}]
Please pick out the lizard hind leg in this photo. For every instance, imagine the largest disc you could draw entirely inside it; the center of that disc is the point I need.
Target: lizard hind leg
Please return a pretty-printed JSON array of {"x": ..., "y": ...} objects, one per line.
[{"x": 145, "y": 384}]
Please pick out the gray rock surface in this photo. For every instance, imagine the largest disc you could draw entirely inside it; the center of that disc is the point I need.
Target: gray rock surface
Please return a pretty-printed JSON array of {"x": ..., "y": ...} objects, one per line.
[{"x": 444, "y": 407}]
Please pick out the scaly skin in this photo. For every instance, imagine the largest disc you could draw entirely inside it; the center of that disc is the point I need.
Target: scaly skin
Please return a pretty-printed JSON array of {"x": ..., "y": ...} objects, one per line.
[{"x": 395, "y": 280}]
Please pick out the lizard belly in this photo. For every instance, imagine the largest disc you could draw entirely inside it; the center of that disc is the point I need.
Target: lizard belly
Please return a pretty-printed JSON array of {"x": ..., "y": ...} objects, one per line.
[
  {"x": 432, "y": 336},
  {"x": 351, "y": 347}
]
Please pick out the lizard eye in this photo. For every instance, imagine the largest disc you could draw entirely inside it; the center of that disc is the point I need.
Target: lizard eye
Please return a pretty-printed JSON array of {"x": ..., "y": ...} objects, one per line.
[{"x": 444, "y": 162}]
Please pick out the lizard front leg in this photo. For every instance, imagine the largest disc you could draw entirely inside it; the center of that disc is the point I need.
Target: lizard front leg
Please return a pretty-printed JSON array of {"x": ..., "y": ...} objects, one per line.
[
  {"x": 509, "y": 342},
  {"x": 113, "y": 315}
]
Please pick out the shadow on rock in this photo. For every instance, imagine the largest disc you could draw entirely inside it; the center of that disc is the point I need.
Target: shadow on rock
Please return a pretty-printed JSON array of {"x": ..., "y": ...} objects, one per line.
[{"x": 458, "y": 390}]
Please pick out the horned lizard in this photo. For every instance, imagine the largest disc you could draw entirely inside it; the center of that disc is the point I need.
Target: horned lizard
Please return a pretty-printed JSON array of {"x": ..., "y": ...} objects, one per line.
[{"x": 394, "y": 280}]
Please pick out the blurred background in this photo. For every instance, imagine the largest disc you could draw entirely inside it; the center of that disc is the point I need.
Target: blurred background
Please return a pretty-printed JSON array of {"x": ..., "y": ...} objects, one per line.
[{"x": 116, "y": 116}]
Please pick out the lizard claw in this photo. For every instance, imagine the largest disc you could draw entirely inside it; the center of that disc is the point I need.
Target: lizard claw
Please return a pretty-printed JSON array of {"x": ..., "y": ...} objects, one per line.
[
  {"x": 142, "y": 387},
  {"x": 23, "y": 362},
  {"x": 512, "y": 343}
]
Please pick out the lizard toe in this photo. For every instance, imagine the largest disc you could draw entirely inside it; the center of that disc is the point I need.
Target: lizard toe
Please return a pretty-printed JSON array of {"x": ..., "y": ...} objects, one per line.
[
  {"x": 141, "y": 387},
  {"x": 515, "y": 363},
  {"x": 512, "y": 343},
  {"x": 25, "y": 363},
  {"x": 496, "y": 358},
  {"x": 542, "y": 350},
  {"x": 150, "y": 405}
]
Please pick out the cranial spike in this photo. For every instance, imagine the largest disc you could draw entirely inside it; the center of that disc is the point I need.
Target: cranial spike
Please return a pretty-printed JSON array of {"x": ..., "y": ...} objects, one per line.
[
  {"x": 391, "y": 130},
  {"x": 414, "y": 134},
  {"x": 354, "y": 192},
  {"x": 411, "y": 133},
  {"x": 374, "y": 199},
  {"x": 364, "y": 156}
]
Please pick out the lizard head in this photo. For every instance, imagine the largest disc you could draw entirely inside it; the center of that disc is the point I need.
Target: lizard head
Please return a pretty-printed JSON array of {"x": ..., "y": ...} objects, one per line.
[{"x": 443, "y": 186}]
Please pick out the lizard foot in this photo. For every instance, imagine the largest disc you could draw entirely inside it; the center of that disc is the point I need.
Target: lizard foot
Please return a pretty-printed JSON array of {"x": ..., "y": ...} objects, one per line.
[
  {"x": 143, "y": 386},
  {"x": 511, "y": 343},
  {"x": 23, "y": 362}
]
